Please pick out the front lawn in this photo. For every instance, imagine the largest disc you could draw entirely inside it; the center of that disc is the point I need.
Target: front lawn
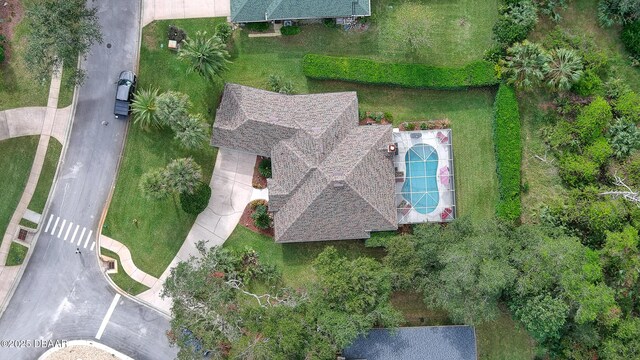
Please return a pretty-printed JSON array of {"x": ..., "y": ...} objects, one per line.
[
  {"x": 16, "y": 255},
  {"x": 124, "y": 281},
  {"x": 45, "y": 181},
  {"x": 16, "y": 158},
  {"x": 161, "y": 226}
]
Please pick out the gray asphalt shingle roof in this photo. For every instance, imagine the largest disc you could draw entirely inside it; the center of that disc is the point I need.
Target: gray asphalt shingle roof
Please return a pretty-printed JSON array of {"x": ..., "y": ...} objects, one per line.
[
  {"x": 267, "y": 10},
  {"x": 332, "y": 179},
  {"x": 416, "y": 343}
]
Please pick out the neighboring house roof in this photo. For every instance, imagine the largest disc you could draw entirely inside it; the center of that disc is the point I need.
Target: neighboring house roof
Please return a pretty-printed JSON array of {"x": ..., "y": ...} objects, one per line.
[
  {"x": 331, "y": 179},
  {"x": 415, "y": 343},
  {"x": 267, "y": 10}
]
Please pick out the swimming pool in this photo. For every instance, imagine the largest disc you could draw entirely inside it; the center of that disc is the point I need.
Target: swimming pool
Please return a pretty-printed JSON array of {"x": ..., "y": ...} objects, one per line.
[{"x": 421, "y": 187}]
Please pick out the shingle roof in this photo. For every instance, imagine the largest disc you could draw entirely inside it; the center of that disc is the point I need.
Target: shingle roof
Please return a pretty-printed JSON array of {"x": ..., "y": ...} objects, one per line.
[
  {"x": 416, "y": 343},
  {"x": 267, "y": 10},
  {"x": 332, "y": 179}
]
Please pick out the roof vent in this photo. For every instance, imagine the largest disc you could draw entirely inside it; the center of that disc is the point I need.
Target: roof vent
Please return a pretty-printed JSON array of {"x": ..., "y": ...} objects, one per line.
[{"x": 392, "y": 148}]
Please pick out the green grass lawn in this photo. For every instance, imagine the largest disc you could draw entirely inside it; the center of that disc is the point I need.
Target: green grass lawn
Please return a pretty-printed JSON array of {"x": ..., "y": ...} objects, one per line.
[
  {"x": 16, "y": 255},
  {"x": 16, "y": 158},
  {"x": 49, "y": 167},
  {"x": 124, "y": 281},
  {"x": 17, "y": 87},
  {"x": 162, "y": 225},
  {"x": 29, "y": 224}
]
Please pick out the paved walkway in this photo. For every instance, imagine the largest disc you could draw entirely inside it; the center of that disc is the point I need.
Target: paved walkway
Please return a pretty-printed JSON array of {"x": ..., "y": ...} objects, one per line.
[
  {"x": 44, "y": 121},
  {"x": 182, "y": 9},
  {"x": 231, "y": 191}
]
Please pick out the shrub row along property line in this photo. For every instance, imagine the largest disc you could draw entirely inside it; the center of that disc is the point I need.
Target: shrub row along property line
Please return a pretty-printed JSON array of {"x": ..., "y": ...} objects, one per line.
[
  {"x": 478, "y": 73},
  {"x": 506, "y": 137}
]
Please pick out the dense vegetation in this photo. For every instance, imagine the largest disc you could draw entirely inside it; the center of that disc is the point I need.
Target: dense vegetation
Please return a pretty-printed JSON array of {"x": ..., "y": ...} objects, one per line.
[{"x": 479, "y": 73}]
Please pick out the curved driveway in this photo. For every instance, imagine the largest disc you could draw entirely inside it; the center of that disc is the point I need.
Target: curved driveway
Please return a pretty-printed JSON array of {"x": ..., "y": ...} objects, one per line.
[{"x": 63, "y": 295}]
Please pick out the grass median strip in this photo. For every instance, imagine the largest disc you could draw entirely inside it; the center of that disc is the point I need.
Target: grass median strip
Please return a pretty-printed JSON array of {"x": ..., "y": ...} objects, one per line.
[
  {"x": 121, "y": 278},
  {"x": 29, "y": 224},
  {"x": 17, "y": 253},
  {"x": 16, "y": 158},
  {"x": 49, "y": 167}
]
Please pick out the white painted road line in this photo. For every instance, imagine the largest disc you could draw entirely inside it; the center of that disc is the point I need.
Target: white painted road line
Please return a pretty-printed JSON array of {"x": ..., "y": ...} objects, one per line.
[
  {"x": 53, "y": 231},
  {"x": 88, "y": 238},
  {"x": 64, "y": 221},
  {"x": 48, "y": 223},
  {"x": 73, "y": 237},
  {"x": 93, "y": 244},
  {"x": 68, "y": 230},
  {"x": 81, "y": 235},
  {"x": 105, "y": 321}
]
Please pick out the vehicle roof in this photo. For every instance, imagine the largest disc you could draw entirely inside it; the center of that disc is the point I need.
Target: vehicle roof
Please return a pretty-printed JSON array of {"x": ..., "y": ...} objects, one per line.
[{"x": 127, "y": 75}]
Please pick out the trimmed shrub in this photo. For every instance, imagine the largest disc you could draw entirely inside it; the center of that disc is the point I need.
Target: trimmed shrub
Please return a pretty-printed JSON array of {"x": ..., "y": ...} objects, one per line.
[
  {"x": 290, "y": 30},
  {"x": 506, "y": 136},
  {"x": 628, "y": 106},
  {"x": 223, "y": 31},
  {"x": 593, "y": 120},
  {"x": 258, "y": 26},
  {"x": 261, "y": 217},
  {"x": 410, "y": 126},
  {"x": 589, "y": 84},
  {"x": 196, "y": 203},
  {"x": 265, "y": 168},
  {"x": 479, "y": 73},
  {"x": 631, "y": 38}
]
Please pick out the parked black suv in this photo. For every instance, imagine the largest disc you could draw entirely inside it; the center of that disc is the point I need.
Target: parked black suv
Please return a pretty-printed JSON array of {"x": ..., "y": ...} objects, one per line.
[{"x": 124, "y": 93}]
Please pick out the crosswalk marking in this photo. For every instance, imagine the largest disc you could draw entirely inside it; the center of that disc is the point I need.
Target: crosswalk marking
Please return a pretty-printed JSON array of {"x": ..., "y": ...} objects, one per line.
[
  {"x": 81, "y": 235},
  {"x": 48, "y": 223},
  {"x": 65, "y": 229},
  {"x": 88, "y": 238},
  {"x": 64, "y": 221},
  {"x": 66, "y": 235},
  {"x": 73, "y": 237},
  {"x": 54, "y": 225}
]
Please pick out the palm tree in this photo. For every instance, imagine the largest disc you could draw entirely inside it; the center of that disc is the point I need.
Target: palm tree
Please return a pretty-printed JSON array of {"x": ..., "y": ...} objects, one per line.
[
  {"x": 153, "y": 185},
  {"x": 183, "y": 175},
  {"x": 564, "y": 69},
  {"x": 525, "y": 64},
  {"x": 192, "y": 133},
  {"x": 172, "y": 107},
  {"x": 144, "y": 109},
  {"x": 207, "y": 56}
]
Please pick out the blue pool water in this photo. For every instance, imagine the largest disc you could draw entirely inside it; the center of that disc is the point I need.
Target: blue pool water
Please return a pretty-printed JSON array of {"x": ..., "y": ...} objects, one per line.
[{"x": 421, "y": 187}]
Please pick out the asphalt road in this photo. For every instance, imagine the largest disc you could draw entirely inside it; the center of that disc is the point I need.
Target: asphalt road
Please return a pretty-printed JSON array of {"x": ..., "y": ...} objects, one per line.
[{"x": 63, "y": 294}]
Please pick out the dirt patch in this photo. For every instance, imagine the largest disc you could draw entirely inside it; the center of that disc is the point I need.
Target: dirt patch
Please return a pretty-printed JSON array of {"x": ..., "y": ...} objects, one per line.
[
  {"x": 247, "y": 221},
  {"x": 11, "y": 13},
  {"x": 259, "y": 181}
]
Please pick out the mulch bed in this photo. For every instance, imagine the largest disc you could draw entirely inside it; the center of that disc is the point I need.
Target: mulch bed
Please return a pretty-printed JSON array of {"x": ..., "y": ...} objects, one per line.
[
  {"x": 259, "y": 181},
  {"x": 370, "y": 121},
  {"x": 11, "y": 14},
  {"x": 247, "y": 221}
]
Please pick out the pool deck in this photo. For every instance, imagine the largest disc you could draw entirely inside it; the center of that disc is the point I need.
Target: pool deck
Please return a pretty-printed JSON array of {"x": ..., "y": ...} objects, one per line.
[{"x": 440, "y": 140}]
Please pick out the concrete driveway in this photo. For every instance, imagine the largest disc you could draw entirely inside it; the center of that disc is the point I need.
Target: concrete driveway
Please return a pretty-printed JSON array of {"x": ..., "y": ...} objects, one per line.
[{"x": 231, "y": 191}]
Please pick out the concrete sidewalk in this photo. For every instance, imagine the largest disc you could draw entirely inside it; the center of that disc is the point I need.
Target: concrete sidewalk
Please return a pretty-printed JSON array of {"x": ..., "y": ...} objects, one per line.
[
  {"x": 48, "y": 121},
  {"x": 183, "y": 9},
  {"x": 231, "y": 191}
]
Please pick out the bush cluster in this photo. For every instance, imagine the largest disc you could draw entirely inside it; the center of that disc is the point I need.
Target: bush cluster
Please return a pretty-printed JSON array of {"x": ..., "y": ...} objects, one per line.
[
  {"x": 258, "y": 26},
  {"x": 224, "y": 31},
  {"x": 261, "y": 217},
  {"x": 479, "y": 73},
  {"x": 515, "y": 23},
  {"x": 264, "y": 168},
  {"x": 290, "y": 30},
  {"x": 196, "y": 203},
  {"x": 506, "y": 135}
]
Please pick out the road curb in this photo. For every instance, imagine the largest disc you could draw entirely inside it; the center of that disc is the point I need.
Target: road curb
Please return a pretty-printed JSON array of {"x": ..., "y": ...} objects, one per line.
[
  {"x": 32, "y": 245},
  {"x": 105, "y": 210}
]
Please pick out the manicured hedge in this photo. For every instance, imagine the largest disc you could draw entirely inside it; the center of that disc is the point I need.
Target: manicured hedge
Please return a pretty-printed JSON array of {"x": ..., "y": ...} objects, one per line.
[
  {"x": 506, "y": 136},
  {"x": 479, "y": 73}
]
